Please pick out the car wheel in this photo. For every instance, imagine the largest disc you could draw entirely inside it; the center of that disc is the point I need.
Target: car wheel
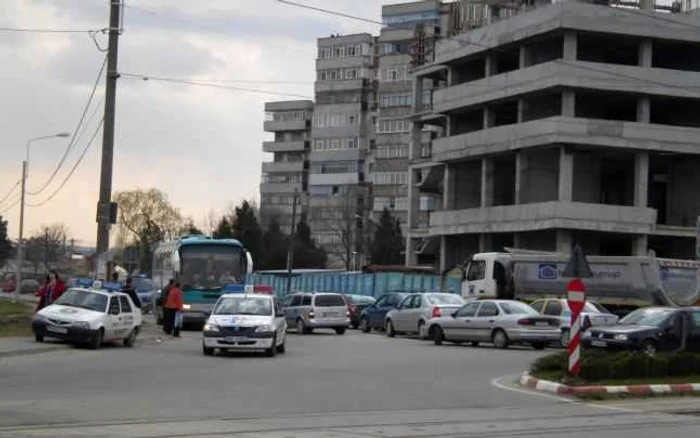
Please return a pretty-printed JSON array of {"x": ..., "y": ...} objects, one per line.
[
  {"x": 564, "y": 338},
  {"x": 649, "y": 347},
  {"x": 207, "y": 351},
  {"x": 131, "y": 339},
  {"x": 539, "y": 345},
  {"x": 301, "y": 327},
  {"x": 365, "y": 325},
  {"x": 355, "y": 325},
  {"x": 340, "y": 330},
  {"x": 272, "y": 351},
  {"x": 96, "y": 341},
  {"x": 390, "y": 329},
  {"x": 421, "y": 324},
  {"x": 437, "y": 334},
  {"x": 500, "y": 339},
  {"x": 281, "y": 348},
  {"x": 38, "y": 337},
  {"x": 474, "y": 343}
]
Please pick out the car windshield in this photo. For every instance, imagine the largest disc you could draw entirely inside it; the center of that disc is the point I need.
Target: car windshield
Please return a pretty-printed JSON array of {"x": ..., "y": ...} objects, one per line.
[
  {"x": 360, "y": 299},
  {"x": 595, "y": 307},
  {"x": 445, "y": 299},
  {"x": 144, "y": 285},
  {"x": 650, "y": 317},
  {"x": 518, "y": 308},
  {"x": 84, "y": 300},
  {"x": 211, "y": 267},
  {"x": 329, "y": 301},
  {"x": 260, "y": 306}
]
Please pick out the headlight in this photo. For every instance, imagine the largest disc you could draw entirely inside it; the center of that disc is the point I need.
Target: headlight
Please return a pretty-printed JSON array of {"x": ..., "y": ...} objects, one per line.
[
  {"x": 620, "y": 337},
  {"x": 81, "y": 324},
  {"x": 263, "y": 328},
  {"x": 186, "y": 306},
  {"x": 208, "y": 327}
]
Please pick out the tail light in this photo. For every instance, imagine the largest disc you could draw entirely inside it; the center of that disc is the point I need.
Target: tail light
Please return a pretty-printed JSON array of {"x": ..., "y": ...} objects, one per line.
[
  {"x": 437, "y": 313},
  {"x": 526, "y": 321}
]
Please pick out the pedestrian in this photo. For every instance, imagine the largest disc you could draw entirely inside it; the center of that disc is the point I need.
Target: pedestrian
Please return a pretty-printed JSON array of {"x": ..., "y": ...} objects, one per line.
[
  {"x": 41, "y": 293},
  {"x": 172, "y": 306},
  {"x": 160, "y": 301},
  {"x": 54, "y": 289},
  {"x": 129, "y": 290}
]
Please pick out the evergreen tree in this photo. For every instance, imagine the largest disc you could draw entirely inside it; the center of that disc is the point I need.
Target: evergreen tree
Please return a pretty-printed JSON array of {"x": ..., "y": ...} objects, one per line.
[
  {"x": 223, "y": 229},
  {"x": 306, "y": 254},
  {"x": 6, "y": 250},
  {"x": 388, "y": 243},
  {"x": 273, "y": 253},
  {"x": 247, "y": 230}
]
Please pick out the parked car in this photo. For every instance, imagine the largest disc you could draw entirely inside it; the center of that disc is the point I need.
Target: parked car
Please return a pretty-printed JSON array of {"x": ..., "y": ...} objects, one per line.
[
  {"x": 373, "y": 316},
  {"x": 307, "y": 311},
  {"x": 146, "y": 291},
  {"x": 650, "y": 330},
  {"x": 412, "y": 313},
  {"x": 501, "y": 322},
  {"x": 29, "y": 286},
  {"x": 356, "y": 304},
  {"x": 593, "y": 315}
]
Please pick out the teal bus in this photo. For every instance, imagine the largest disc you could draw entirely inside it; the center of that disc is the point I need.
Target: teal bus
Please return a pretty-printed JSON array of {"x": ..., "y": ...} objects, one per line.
[{"x": 204, "y": 266}]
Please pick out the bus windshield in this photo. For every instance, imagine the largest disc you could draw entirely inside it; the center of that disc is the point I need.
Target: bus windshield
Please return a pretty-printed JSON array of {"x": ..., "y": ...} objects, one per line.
[{"x": 211, "y": 267}]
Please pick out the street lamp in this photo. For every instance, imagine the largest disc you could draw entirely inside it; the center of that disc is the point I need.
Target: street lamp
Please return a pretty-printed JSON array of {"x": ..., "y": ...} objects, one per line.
[{"x": 25, "y": 168}]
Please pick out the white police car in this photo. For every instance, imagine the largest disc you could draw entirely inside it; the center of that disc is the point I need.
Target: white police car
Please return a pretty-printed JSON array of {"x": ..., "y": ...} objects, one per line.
[
  {"x": 91, "y": 315},
  {"x": 245, "y": 322}
]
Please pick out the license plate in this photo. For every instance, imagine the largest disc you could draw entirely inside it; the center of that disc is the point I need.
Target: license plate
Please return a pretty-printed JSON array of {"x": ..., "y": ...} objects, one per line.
[
  {"x": 542, "y": 324},
  {"x": 57, "y": 329},
  {"x": 234, "y": 339},
  {"x": 599, "y": 343},
  {"x": 330, "y": 314}
]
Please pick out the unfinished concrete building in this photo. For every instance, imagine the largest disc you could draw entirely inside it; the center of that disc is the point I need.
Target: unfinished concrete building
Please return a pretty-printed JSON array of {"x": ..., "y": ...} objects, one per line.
[{"x": 568, "y": 123}]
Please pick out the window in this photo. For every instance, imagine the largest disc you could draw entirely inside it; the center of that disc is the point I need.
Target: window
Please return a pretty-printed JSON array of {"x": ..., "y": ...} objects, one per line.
[
  {"x": 334, "y": 167},
  {"x": 406, "y": 303},
  {"x": 296, "y": 301},
  {"x": 393, "y": 74},
  {"x": 306, "y": 301},
  {"x": 392, "y": 151},
  {"x": 286, "y": 116},
  {"x": 335, "y": 119},
  {"x": 287, "y": 301},
  {"x": 393, "y": 126},
  {"x": 322, "y": 74},
  {"x": 381, "y": 301},
  {"x": 426, "y": 150},
  {"x": 394, "y": 48},
  {"x": 517, "y": 308},
  {"x": 342, "y": 51},
  {"x": 380, "y": 203},
  {"x": 696, "y": 318},
  {"x": 394, "y": 100},
  {"x": 281, "y": 178},
  {"x": 417, "y": 302},
  {"x": 396, "y": 178},
  {"x": 329, "y": 301},
  {"x": 468, "y": 311},
  {"x": 114, "y": 306},
  {"x": 537, "y": 305},
  {"x": 126, "y": 307},
  {"x": 327, "y": 238},
  {"x": 553, "y": 308},
  {"x": 487, "y": 310},
  {"x": 395, "y": 299},
  {"x": 332, "y": 144},
  {"x": 477, "y": 270}
]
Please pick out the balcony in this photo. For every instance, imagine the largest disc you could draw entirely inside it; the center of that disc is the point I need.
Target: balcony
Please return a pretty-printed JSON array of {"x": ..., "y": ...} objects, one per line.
[
  {"x": 287, "y": 125},
  {"x": 326, "y": 179},
  {"x": 340, "y": 85},
  {"x": 542, "y": 216},
  {"x": 567, "y": 130},
  {"x": 284, "y": 146},
  {"x": 289, "y": 187},
  {"x": 283, "y": 166}
]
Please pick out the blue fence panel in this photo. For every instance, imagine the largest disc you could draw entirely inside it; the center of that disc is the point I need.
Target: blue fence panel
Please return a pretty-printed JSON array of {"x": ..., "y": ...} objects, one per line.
[
  {"x": 394, "y": 282},
  {"x": 381, "y": 279},
  {"x": 352, "y": 284},
  {"x": 368, "y": 284},
  {"x": 453, "y": 285}
]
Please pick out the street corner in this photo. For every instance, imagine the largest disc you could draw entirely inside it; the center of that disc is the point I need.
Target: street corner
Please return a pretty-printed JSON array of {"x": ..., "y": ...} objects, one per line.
[{"x": 546, "y": 386}]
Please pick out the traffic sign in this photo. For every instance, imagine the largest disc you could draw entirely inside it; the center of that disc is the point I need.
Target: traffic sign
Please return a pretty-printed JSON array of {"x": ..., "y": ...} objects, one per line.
[{"x": 576, "y": 295}]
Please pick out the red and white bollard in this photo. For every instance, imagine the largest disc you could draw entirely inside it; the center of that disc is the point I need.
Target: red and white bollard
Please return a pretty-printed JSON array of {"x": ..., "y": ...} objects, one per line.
[{"x": 576, "y": 298}]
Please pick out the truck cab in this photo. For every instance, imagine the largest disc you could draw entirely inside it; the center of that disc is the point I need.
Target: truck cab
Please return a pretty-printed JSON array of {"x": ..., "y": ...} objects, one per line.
[{"x": 486, "y": 276}]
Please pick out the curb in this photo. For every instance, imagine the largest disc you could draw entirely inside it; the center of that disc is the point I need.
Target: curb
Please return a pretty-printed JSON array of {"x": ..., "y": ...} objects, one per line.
[
  {"x": 557, "y": 388},
  {"x": 30, "y": 351}
]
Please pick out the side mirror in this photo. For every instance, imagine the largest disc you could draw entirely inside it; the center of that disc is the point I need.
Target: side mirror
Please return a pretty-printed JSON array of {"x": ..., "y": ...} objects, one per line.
[{"x": 454, "y": 314}]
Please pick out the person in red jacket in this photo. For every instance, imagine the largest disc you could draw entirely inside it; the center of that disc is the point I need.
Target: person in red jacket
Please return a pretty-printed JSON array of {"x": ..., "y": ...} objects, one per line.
[
  {"x": 173, "y": 305},
  {"x": 41, "y": 293},
  {"x": 52, "y": 290}
]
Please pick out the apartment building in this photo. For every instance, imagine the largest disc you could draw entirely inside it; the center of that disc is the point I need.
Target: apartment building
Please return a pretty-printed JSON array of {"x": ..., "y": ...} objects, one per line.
[
  {"x": 285, "y": 178},
  {"x": 567, "y": 123}
]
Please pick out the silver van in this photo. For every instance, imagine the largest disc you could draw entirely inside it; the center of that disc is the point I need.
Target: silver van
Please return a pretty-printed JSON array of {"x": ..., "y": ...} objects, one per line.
[{"x": 306, "y": 311}]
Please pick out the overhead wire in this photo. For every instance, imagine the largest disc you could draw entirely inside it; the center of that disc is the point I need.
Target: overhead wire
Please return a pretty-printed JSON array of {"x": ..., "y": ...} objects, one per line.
[
  {"x": 145, "y": 76},
  {"x": 497, "y": 49},
  {"x": 75, "y": 133},
  {"x": 73, "y": 169},
  {"x": 37, "y": 30},
  {"x": 10, "y": 207},
  {"x": 10, "y": 192}
]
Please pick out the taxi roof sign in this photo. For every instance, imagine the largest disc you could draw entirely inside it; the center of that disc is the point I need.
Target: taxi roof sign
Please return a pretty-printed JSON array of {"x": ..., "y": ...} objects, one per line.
[
  {"x": 234, "y": 288},
  {"x": 89, "y": 283}
]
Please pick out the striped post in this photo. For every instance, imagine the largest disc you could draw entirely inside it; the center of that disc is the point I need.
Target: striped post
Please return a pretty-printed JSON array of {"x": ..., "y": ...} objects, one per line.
[{"x": 576, "y": 297}]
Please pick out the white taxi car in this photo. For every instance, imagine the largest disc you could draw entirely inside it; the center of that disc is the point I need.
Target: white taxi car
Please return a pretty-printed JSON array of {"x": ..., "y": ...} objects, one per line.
[
  {"x": 89, "y": 315},
  {"x": 245, "y": 322}
]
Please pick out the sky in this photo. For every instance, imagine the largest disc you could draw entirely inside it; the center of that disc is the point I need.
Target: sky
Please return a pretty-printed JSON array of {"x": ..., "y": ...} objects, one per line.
[{"x": 200, "y": 145}]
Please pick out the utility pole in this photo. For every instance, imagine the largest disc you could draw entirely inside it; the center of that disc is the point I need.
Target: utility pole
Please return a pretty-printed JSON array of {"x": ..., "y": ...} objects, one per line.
[
  {"x": 46, "y": 250},
  {"x": 292, "y": 238},
  {"x": 104, "y": 203},
  {"x": 20, "y": 243}
]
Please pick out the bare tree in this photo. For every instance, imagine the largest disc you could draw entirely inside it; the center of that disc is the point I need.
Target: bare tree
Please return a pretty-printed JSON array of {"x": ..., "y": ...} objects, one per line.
[
  {"x": 342, "y": 220},
  {"x": 47, "y": 247}
]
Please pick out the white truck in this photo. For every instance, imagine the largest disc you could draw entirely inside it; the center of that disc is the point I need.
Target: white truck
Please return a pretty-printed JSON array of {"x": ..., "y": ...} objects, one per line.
[{"x": 618, "y": 282}]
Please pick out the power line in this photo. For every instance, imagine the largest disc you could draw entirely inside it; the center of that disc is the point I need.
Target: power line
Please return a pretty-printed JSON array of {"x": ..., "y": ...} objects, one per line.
[
  {"x": 75, "y": 166},
  {"x": 213, "y": 85},
  {"x": 10, "y": 207},
  {"x": 36, "y": 30},
  {"x": 75, "y": 132},
  {"x": 14, "y": 187},
  {"x": 486, "y": 46},
  {"x": 242, "y": 81}
]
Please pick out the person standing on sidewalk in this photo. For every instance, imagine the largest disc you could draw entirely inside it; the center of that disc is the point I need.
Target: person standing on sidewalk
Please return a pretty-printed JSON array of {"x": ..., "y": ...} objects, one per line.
[
  {"x": 129, "y": 290},
  {"x": 41, "y": 293},
  {"x": 173, "y": 305},
  {"x": 52, "y": 290}
]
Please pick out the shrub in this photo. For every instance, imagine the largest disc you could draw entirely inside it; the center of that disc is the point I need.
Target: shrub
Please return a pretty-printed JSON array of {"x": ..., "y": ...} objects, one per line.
[{"x": 603, "y": 365}]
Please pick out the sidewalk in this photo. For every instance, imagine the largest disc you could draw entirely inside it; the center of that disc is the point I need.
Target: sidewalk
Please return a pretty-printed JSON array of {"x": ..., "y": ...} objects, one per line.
[{"x": 16, "y": 346}]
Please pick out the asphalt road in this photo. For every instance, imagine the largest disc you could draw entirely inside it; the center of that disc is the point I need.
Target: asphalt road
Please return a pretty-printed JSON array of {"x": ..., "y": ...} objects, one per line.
[{"x": 326, "y": 385}]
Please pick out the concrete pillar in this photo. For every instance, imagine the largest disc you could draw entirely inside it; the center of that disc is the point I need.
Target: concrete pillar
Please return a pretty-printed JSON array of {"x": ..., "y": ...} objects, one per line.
[
  {"x": 566, "y": 175},
  {"x": 521, "y": 165},
  {"x": 641, "y": 179},
  {"x": 568, "y": 103},
  {"x": 410, "y": 250},
  {"x": 643, "y": 109},
  {"x": 448, "y": 188},
  {"x": 570, "y": 48},
  {"x": 564, "y": 243},
  {"x": 417, "y": 94},
  {"x": 416, "y": 141},
  {"x": 521, "y": 110},
  {"x": 489, "y": 119},
  {"x": 523, "y": 56},
  {"x": 490, "y": 65},
  {"x": 443, "y": 253},
  {"x": 518, "y": 240},
  {"x": 646, "y": 52},
  {"x": 486, "y": 182},
  {"x": 484, "y": 242},
  {"x": 640, "y": 245}
]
